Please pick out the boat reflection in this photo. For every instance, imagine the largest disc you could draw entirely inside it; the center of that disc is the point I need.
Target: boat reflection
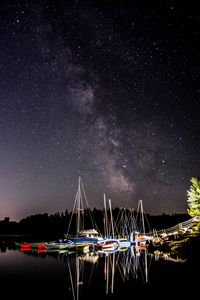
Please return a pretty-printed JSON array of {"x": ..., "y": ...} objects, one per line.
[
  {"x": 125, "y": 263},
  {"x": 105, "y": 272},
  {"x": 80, "y": 271}
]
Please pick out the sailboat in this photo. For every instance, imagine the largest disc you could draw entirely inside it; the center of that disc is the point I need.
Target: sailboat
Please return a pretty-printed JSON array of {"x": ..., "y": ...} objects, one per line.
[
  {"x": 109, "y": 243},
  {"x": 141, "y": 238},
  {"x": 124, "y": 228},
  {"x": 89, "y": 236}
]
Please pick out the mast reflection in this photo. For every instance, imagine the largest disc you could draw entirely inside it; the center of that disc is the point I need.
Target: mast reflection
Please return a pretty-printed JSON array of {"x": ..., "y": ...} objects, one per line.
[{"x": 126, "y": 264}]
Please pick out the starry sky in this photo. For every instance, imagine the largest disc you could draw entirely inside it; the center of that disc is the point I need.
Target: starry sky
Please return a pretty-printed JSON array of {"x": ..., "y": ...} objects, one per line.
[{"x": 108, "y": 90}]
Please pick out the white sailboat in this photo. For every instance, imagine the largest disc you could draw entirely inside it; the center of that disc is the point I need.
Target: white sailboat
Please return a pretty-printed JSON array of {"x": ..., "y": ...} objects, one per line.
[
  {"x": 141, "y": 238},
  {"x": 109, "y": 243},
  {"x": 89, "y": 236}
]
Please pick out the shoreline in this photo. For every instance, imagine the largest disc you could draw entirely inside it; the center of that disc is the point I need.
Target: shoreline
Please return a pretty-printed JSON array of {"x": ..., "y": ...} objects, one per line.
[{"x": 186, "y": 246}]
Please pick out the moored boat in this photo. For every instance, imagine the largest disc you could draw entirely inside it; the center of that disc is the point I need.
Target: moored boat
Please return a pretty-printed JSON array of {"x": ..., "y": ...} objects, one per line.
[
  {"x": 124, "y": 243},
  {"x": 109, "y": 244}
]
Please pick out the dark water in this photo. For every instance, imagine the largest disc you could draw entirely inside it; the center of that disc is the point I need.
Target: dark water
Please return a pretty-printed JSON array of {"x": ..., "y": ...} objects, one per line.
[{"x": 92, "y": 275}]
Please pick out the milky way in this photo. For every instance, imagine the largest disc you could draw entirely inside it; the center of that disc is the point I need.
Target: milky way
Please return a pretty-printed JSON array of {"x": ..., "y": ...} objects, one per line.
[{"x": 105, "y": 90}]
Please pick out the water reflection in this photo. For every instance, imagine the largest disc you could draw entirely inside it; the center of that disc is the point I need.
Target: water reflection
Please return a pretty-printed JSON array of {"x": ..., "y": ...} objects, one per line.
[
  {"x": 3, "y": 246},
  {"x": 86, "y": 274},
  {"x": 128, "y": 264},
  {"x": 88, "y": 270}
]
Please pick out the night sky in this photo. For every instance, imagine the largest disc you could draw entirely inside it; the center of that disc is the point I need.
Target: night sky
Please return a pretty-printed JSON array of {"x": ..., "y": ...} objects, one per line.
[{"x": 108, "y": 90}]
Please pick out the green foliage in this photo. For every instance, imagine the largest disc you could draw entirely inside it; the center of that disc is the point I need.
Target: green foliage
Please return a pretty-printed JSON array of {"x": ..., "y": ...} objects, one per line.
[{"x": 194, "y": 198}]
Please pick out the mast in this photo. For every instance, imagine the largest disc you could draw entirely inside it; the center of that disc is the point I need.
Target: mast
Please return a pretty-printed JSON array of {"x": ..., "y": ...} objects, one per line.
[
  {"x": 106, "y": 217},
  {"x": 142, "y": 212},
  {"x": 78, "y": 205},
  {"x": 140, "y": 205},
  {"x": 111, "y": 218}
]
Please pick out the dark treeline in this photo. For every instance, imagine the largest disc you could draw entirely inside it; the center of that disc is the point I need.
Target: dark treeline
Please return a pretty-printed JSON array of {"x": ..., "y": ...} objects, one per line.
[{"x": 56, "y": 225}]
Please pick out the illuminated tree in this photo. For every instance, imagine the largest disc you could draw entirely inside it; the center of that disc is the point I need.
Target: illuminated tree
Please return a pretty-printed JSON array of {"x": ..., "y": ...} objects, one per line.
[{"x": 194, "y": 198}]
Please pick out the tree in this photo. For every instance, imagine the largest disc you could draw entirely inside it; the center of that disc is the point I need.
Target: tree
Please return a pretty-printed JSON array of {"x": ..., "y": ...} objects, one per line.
[{"x": 194, "y": 198}]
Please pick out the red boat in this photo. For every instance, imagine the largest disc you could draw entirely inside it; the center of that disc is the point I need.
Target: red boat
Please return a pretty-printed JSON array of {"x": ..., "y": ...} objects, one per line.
[{"x": 107, "y": 244}]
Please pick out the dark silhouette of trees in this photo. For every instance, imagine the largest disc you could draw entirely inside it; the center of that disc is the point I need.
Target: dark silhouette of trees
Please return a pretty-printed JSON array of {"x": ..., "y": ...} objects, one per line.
[
  {"x": 8, "y": 227},
  {"x": 56, "y": 225}
]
